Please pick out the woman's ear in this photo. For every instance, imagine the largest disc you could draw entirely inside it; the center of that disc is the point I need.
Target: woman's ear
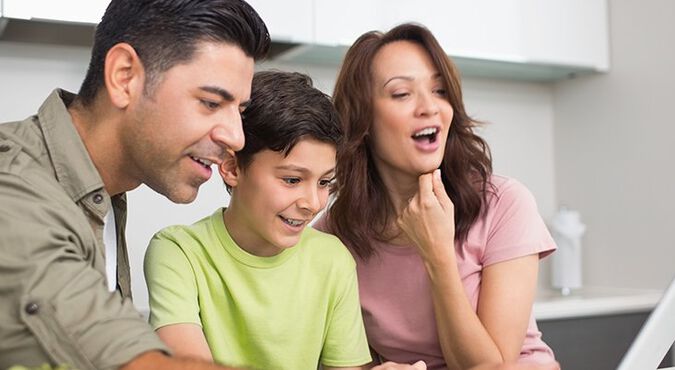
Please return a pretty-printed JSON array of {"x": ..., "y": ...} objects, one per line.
[
  {"x": 229, "y": 170},
  {"x": 124, "y": 75}
]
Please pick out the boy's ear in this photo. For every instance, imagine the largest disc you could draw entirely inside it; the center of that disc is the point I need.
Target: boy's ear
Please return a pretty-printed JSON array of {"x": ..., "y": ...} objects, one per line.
[
  {"x": 124, "y": 75},
  {"x": 229, "y": 170}
]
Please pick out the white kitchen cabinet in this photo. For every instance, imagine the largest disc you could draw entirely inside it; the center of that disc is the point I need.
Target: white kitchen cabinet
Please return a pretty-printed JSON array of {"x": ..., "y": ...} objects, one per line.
[
  {"x": 479, "y": 29},
  {"x": 553, "y": 32},
  {"x": 76, "y": 11},
  {"x": 340, "y": 23},
  {"x": 520, "y": 39},
  {"x": 537, "y": 40},
  {"x": 288, "y": 20},
  {"x": 566, "y": 32}
]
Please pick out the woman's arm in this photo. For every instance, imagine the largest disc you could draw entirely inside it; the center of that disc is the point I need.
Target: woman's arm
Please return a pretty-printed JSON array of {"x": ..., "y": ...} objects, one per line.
[
  {"x": 505, "y": 302},
  {"x": 186, "y": 340},
  {"x": 495, "y": 333}
]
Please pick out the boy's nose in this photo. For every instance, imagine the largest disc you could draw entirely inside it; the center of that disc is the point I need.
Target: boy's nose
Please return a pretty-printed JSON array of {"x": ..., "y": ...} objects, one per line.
[{"x": 311, "y": 201}]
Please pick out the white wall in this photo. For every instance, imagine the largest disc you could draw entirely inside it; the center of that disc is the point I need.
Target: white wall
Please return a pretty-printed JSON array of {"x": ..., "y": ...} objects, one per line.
[
  {"x": 520, "y": 132},
  {"x": 614, "y": 150}
]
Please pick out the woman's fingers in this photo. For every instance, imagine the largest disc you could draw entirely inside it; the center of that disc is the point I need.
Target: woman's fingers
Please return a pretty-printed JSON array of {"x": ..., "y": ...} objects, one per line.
[
  {"x": 441, "y": 194},
  {"x": 425, "y": 186}
]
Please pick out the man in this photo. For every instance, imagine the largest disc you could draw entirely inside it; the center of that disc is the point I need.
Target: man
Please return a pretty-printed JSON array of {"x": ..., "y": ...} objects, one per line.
[{"x": 160, "y": 104}]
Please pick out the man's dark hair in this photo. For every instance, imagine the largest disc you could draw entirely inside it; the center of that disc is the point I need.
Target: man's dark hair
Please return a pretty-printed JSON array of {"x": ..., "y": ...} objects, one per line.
[
  {"x": 165, "y": 33},
  {"x": 286, "y": 108}
]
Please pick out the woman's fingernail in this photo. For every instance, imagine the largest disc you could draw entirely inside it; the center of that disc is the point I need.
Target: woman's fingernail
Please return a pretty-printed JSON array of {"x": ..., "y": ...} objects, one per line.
[{"x": 437, "y": 173}]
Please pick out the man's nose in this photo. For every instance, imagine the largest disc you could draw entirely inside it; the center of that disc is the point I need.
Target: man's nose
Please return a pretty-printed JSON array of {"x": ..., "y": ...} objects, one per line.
[{"x": 230, "y": 134}]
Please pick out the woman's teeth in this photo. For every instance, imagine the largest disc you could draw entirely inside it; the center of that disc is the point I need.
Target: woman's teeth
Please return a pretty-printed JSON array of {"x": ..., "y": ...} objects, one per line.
[{"x": 428, "y": 133}]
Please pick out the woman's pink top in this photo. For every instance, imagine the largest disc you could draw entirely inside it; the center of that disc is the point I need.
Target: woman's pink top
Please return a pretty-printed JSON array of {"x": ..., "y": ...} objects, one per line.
[{"x": 395, "y": 290}]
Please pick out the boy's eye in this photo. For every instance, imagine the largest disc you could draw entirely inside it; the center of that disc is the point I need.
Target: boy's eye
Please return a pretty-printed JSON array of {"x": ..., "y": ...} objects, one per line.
[
  {"x": 326, "y": 182},
  {"x": 291, "y": 180}
]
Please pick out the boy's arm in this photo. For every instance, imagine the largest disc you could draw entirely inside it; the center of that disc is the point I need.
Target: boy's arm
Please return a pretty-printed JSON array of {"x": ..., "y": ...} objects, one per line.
[{"x": 186, "y": 340}]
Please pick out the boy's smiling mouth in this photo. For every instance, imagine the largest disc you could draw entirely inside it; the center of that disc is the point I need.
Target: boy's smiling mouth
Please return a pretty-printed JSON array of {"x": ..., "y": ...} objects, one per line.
[{"x": 292, "y": 222}]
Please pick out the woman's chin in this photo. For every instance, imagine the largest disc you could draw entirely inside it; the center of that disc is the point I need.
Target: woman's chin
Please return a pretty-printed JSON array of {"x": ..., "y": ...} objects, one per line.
[{"x": 428, "y": 167}]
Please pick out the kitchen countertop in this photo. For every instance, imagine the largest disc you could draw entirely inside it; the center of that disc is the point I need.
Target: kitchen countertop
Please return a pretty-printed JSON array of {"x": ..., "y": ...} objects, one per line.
[
  {"x": 593, "y": 301},
  {"x": 588, "y": 301}
]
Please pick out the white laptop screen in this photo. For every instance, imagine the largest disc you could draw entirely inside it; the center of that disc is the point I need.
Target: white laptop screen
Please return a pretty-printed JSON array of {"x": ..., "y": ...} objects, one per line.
[{"x": 656, "y": 336}]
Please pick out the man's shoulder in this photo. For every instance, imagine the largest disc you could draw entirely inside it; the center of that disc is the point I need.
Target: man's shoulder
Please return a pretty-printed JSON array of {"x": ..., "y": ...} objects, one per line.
[{"x": 21, "y": 147}]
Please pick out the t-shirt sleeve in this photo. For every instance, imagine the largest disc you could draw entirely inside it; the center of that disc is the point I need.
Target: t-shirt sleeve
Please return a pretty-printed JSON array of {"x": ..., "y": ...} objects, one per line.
[
  {"x": 172, "y": 288},
  {"x": 516, "y": 228},
  {"x": 346, "y": 343}
]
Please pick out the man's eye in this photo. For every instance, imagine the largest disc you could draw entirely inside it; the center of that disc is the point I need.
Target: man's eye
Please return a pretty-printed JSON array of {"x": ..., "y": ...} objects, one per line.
[
  {"x": 291, "y": 180},
  {"x": 211, "y": 105}
]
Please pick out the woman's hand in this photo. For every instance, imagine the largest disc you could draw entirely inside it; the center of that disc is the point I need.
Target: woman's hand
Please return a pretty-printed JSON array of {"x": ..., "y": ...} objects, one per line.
[{"x": 429, "y": 219}]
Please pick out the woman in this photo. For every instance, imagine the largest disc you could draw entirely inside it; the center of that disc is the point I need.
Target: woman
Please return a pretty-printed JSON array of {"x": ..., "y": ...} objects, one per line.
[{"x": 447, "y": 252}]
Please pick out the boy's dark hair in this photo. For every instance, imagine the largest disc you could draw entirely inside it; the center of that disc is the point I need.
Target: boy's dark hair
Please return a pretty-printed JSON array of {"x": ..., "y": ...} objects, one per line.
[
  {"x": 286, "y": 108},
  {"x": 165, "y": 33}
]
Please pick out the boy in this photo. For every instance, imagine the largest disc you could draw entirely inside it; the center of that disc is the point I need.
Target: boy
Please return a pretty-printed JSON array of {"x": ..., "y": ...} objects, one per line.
[{"x": 251, "y": 285}]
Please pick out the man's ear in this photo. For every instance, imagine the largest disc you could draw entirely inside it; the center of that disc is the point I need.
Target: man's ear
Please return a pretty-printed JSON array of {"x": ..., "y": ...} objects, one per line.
[
  {"x": 124, "y": 75},
  {"x": 229, "y": 170}
]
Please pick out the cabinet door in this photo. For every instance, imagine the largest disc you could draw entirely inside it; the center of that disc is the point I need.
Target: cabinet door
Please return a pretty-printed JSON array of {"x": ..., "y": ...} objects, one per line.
[
  {"x": 288, "y": 20},
  {"x": 479, "y": 29},
  {"x": 340, "y": 23},
  {"x": 89, "y": 11},
  {"x": 556, "y": 32},
  {"x": 566, "y": 32}
]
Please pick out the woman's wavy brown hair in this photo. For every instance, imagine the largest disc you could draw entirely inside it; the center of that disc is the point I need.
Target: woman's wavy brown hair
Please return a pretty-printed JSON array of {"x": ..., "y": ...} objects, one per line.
[{"x": 362, "y": 209}]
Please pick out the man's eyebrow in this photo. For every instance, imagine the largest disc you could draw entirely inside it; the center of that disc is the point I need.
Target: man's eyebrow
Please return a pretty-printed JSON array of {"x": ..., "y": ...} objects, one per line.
[{"x": 226, "y": 95}]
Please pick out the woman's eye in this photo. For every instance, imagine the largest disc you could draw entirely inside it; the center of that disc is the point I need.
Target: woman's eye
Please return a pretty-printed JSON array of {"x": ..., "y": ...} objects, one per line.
[
  {"x": 291, "y": 180},
  {"x": 440, "y": 92},
  {"x": 399, "y": 95}
]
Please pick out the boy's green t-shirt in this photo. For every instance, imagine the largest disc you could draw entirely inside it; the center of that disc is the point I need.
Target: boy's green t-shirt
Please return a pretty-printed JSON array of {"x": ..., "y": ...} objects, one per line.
[{"x": 290, "y": 311}]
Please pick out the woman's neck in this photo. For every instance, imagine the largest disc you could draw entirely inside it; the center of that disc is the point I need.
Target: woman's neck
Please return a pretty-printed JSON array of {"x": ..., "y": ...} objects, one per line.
[{"x": 400, "y": 188}]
